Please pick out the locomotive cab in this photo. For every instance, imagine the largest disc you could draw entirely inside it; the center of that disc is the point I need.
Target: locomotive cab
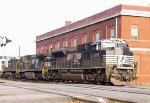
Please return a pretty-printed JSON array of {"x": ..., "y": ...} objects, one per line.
[{"x": 118, "y": 60}]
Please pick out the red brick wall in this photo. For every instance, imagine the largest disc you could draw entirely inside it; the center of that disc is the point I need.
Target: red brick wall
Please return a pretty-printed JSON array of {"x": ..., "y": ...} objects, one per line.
[
  {"x": 142, "y": 22},
  {"x": 143, "y": 70},
  {"x": 140, "y": 56},
  {"x": 89, "y": 31}
]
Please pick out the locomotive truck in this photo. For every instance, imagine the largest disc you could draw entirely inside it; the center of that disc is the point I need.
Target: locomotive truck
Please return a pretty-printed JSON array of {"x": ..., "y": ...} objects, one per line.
[{"x": 107, "y": 61}]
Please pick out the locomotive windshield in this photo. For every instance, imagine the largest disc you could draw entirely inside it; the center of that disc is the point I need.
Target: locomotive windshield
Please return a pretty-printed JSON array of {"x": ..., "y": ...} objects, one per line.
[{"x": 122, "y": 45}]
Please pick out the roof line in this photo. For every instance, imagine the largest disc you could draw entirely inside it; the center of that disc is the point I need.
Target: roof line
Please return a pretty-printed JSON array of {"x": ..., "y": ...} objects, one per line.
[
  {"x": 81, "y": 26},
  {"x": 104, "y": 15}
]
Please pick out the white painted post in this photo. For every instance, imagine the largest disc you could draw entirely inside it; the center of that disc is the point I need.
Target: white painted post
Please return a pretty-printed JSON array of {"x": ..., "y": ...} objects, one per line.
[{"x": 116, "y": 28}]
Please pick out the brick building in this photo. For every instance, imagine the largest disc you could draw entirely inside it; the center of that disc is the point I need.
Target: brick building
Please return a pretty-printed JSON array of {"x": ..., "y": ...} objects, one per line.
[{"x": 128, "y": 22}]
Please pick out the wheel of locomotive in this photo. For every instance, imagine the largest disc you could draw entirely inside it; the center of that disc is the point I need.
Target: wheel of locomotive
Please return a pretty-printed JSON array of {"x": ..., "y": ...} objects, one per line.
[
  {"x": 99, "y": 81},
  {"x": 22, "y": 76},
  {"x": 39, "y": 76},
  {"x": 35, "y": 76},
  {"x": 109, "y": 84},
  {"x": 13, "y": 76}
]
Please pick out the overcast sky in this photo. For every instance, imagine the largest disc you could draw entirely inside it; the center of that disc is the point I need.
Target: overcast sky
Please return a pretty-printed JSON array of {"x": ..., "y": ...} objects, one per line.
[{"x": 22, "y": 20}]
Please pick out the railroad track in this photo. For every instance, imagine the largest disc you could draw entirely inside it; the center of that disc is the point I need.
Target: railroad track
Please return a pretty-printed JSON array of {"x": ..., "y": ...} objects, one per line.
[
  {"x": 128, "y": 89},
  {"x": 75, "y": 90},
  {"x": 58, "y": 92}
]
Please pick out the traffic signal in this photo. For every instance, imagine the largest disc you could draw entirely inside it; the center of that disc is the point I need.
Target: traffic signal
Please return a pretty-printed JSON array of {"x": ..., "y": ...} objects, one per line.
[{"x": 4, "y": 41}]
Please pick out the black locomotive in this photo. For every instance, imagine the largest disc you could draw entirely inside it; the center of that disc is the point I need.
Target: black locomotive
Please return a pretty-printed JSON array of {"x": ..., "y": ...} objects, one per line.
[{"x": 104, "y": 62}]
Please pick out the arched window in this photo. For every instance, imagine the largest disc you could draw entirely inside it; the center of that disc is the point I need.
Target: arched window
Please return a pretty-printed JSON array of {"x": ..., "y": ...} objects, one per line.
[
  {"x": 84, "y": 39},
  {"x": 111, "y": 31},
  {"x": 74, "y": 42},
  {"x": 97, "y": 35},
  {"x": 50, "y": 47},
  {"x": 65, "y": 44},
  {"x": 46, "y": 48},
  {"x": 42, "y": 50},
  {"x": 57, "y": 45}
]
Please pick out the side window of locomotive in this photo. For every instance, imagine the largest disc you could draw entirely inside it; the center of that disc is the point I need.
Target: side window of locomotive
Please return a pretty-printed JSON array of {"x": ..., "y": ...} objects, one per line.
[{"x": 121, "y": 45}]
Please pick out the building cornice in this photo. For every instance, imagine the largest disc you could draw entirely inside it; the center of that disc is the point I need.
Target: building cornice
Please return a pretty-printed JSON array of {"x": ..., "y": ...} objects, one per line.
[
  {"x": 135, "y": 13},
  {"x": 89, "y": 21},
  {"x": 80, "y": 26}
]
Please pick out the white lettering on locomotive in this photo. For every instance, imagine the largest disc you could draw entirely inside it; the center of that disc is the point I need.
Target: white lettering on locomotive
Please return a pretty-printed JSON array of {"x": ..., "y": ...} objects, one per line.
[
  {"x": 118, "y": 59},
  {"x": 75, "y": 56}
]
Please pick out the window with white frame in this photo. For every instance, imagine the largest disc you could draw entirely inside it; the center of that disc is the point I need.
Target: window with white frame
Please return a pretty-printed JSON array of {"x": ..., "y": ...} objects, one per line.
[
  {"x": 112, "y": 33},
  {"x": 85, "y": 38},
  {"x": 134, "y": 32},
  {"x": 57, "y": 46},
  {"x": 97, "y": 36},
  {"x": 42, "y": 49},
  {"x": 65, "y": 43},
  {"x": 50, "y": 47},
  {"x": 74, "y": 41},
  {"x": 45, "y": 49}
]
